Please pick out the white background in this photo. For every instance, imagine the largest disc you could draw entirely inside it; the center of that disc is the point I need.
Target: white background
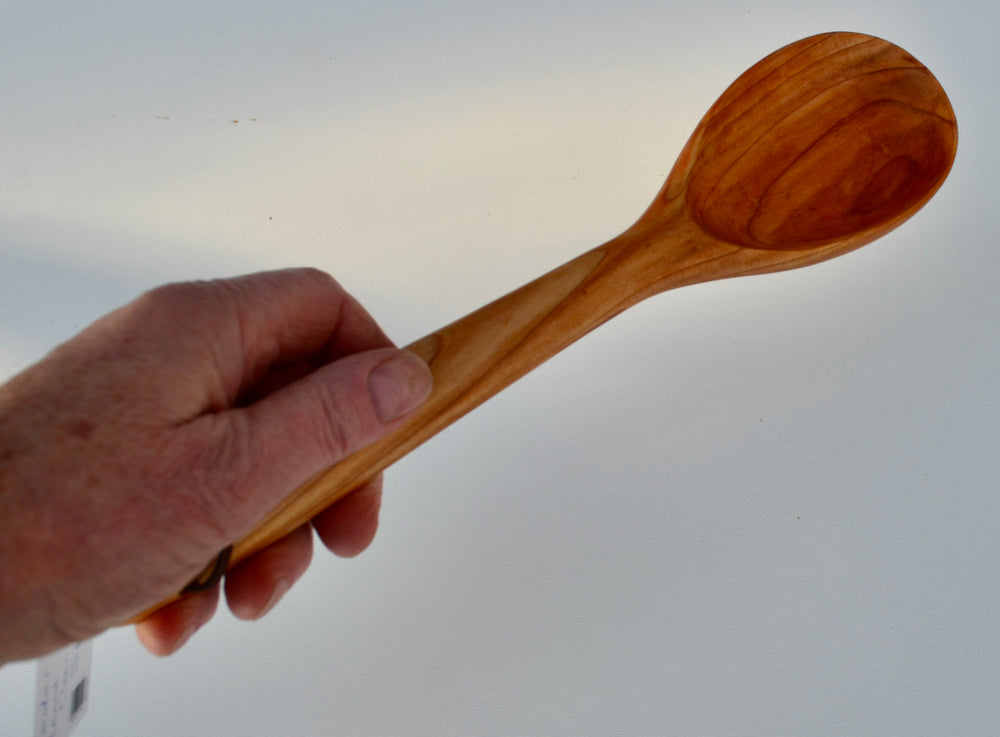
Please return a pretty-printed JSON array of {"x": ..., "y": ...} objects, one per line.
[{"x": 757, "y": 507}]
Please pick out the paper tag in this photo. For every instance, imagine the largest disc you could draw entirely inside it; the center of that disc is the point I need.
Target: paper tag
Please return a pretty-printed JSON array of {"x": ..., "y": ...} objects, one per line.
[{"x": 62, "y": 690}]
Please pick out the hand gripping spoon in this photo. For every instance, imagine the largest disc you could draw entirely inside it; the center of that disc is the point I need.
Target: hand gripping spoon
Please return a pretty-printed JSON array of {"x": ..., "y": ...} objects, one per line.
[{"x": 818, "y": 149}]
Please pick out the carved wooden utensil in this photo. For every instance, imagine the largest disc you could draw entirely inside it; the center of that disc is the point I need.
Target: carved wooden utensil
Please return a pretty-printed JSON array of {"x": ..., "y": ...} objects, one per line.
[{"x": 818, "y": 149}]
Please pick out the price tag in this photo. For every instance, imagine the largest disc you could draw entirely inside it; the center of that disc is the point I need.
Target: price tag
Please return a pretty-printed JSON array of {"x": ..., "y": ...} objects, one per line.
[{"x": 62, "y": 691}]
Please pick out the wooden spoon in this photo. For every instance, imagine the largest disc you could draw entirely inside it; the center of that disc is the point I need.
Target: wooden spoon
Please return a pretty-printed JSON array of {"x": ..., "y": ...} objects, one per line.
[{"x": 820, "y": 148}]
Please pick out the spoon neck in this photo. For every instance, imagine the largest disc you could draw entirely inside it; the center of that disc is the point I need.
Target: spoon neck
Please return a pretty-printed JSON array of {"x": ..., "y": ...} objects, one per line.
[{"x": 665, "y": 249}]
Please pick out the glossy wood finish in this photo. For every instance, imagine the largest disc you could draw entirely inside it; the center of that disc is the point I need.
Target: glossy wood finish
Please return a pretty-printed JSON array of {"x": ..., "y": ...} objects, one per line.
[{"x": 820, "y": 148}]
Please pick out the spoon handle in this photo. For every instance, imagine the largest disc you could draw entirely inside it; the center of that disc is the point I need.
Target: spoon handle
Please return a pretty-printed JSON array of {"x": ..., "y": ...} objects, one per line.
[
  {"x": 475, "y": 357},
  {"x": 471, "y": 360},
  {"x": 482, "y": 353}
]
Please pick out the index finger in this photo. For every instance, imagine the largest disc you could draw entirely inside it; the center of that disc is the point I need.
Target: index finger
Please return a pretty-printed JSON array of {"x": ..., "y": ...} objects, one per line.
[
  {"x": 244, "y": 329},
  {"x": 295, "y": 314}
]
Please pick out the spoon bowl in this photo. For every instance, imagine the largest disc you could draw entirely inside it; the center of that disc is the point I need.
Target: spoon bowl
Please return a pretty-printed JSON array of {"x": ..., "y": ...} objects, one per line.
[
  {"x": 835, "y": 138},
  {"x": 822, "y": 147}
]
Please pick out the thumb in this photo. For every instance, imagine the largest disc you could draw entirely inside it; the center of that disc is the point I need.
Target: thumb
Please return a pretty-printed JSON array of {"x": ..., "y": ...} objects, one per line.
[{"x": 291, "y": 435}]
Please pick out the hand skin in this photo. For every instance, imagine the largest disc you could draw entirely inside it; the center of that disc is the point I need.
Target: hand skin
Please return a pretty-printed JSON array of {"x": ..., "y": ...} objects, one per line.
[{"x": 133, "y": 453}]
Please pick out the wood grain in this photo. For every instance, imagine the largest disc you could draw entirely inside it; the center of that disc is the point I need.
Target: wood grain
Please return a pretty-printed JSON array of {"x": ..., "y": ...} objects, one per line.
[{"x": 822, "y": 147}]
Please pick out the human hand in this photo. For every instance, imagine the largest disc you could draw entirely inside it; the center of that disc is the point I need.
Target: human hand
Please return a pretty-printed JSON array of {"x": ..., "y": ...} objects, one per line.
[{"x": 134, "y": 452}]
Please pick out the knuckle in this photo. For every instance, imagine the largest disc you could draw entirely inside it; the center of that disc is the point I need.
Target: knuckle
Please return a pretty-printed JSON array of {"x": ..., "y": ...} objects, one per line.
[
  {"x": 320, "y": 277},
  {"x": 341, "y": 418},
  {"x": 174, "y": 305},
  {"x": 336, "y": 425}
]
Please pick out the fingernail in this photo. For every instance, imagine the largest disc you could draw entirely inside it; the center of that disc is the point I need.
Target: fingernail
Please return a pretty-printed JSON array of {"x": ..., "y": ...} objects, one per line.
[
  {"x": 280, "y": 589},
  {"x": 399, "y": 385}
]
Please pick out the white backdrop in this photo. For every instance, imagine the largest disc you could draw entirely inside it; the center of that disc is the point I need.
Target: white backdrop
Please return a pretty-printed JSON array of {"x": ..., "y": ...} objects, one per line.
[{"x": 757, "y": 507}]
